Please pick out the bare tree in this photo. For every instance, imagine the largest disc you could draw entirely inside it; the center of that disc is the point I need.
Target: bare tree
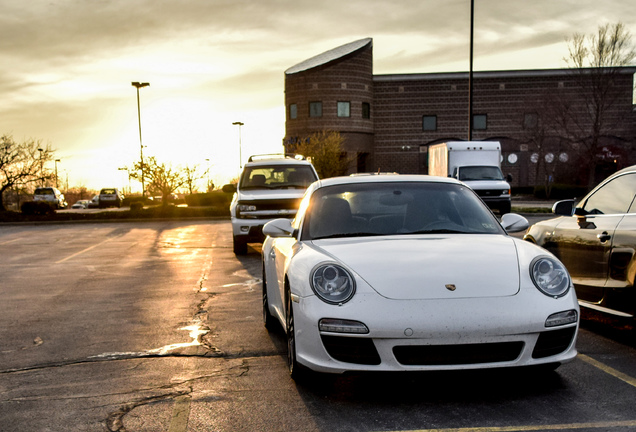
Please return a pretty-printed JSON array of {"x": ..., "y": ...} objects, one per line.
[
  {"x": 160, "y": 177},
  {"x": 22, "y": 164},
  {"x": 595, "y": 61},
  {"x": 193, "y": 175},
  {"x": 326, "y": 151}
]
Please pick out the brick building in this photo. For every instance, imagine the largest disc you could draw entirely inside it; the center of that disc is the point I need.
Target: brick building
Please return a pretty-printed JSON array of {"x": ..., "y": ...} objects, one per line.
[{"x": 388, "y": 121}]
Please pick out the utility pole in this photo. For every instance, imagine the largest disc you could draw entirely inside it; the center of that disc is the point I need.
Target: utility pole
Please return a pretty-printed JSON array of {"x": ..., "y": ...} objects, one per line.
[
  {"x": 139, "y": 85},
  {"x": 239, "y": 124},
  {"x": 470, "y": 73}
]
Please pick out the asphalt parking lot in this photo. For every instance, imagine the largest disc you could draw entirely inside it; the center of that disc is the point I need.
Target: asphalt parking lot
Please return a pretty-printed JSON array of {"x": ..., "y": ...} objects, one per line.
[{"x": 156, "y": 326}]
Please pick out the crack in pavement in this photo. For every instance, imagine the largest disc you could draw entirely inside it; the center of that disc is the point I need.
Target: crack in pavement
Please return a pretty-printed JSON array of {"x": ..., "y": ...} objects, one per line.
[{"x": 115, "y": 420}]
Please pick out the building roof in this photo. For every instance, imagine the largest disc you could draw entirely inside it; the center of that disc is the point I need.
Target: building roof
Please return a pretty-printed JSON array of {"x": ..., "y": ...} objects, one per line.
[
  {"x": 329, "y": 56},
  {"x": 493, "y": 74}
]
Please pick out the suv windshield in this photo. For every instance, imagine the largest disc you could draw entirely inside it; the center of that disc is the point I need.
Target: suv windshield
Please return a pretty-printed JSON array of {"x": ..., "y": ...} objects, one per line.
[
  {"x": 277, "y": 177},
  {"x": 480, "y": 173},
  {"x": 44, "y": 191}
]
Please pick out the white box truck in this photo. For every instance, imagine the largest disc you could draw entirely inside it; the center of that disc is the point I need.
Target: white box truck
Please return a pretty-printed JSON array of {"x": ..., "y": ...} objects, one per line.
[{"x": 476, "y": 163}]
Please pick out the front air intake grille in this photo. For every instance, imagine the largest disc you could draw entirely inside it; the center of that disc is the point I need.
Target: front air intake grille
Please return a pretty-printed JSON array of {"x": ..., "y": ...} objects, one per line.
[
  {"x": 351, "y": 349},
  {"x": 490, "y": 192},
  {"x": 553, "y": 342},
  {"x": 467, "y": 354}
]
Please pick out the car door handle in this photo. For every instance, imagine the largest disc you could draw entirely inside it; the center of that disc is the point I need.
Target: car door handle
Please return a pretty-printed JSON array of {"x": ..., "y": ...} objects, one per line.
[{"x": 603, "y": 237}]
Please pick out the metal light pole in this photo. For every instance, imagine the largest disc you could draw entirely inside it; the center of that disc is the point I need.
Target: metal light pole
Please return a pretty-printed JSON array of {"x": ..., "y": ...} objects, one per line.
[
  {"x": 41, "y": 168},
  {"x": 239, "y": 124},
  {"x": 127, "y": 172},
  {"x": 207, "y": 173},
  {"x": 139, "y": 85},
  {"x": 56, "y": 181},
  {"x": 470, "y": 74}
]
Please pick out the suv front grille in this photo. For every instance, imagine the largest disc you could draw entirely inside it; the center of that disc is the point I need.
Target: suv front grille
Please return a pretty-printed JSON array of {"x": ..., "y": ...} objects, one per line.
[
  {"x": 490, "y": 192},
  {"x": 268, "y": 209}
]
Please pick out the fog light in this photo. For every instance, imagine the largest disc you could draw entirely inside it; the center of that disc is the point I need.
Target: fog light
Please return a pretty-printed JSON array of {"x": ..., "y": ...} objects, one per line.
[
  {"x": 342, "y": 326},
  {"x": 245, "y": 229},
  {"x": 561, "y": 318}
]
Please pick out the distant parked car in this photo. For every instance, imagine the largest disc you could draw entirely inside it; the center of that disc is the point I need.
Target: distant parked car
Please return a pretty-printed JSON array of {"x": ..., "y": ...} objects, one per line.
[
  {"x": 81, "y": 204},
  {"x": 51, "y": 195},
  {"x": 110, "y": 197},
  {"x": 596, "y": 240},
  {"x": 94, "y": 203}
]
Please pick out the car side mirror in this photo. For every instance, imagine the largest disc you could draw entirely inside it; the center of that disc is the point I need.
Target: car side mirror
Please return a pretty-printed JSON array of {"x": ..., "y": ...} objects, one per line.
[
  {"x": 278, "y": 228},
  {"x": 563, "y": 208},
  {"x": 513, "y": 222},
  {"x": 509, "y": 178},
  {"x": 580, "y": 212},
  {"x": 229, "y": 188}
]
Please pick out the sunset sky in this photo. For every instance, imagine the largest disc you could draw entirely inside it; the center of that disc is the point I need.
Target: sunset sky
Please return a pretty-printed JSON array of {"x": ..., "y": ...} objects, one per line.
[{"x": 67, "y": 67}]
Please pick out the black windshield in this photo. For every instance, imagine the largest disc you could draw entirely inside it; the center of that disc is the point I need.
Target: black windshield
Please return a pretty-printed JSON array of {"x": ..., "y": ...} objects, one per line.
[{"x": 399, "y": 208}]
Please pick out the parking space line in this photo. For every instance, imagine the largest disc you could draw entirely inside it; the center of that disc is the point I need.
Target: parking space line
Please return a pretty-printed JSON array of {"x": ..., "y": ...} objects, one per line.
[
  {"x": 572, "y": 426},
  {"x": 180, "y": 414},
  {"x": 84, "y": 250},
  {"x": 597, "y": 364},
  {"x": 10, "y": 241}
]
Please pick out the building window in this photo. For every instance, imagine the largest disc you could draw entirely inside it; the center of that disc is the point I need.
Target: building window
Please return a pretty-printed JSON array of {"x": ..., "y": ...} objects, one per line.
[
  {"x": 293, "y": 111},
  {"x": 480, "y": 122},
  {"x": 429, "y": 123},
  {"x": 366, "y": 110},
  {"x": 315, "y": 109},
  {"x": 344, "y": 109}
]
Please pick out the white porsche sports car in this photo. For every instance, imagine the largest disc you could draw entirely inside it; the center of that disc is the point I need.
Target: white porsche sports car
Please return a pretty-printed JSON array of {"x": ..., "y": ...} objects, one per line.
[{"x": 411, "y": 273}]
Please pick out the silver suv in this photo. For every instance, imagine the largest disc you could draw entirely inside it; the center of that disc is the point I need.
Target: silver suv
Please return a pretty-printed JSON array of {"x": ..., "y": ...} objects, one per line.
[
  {"x": 110, "y": 197},
  {"x": 50, "y": 195},
  {"x": 270, "y": 187}
]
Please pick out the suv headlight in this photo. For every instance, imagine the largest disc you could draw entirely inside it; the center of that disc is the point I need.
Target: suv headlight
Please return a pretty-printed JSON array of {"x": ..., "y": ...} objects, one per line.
[
  {"x": 550, "y": 276},
  {"x": 241, "y": 208},
  {"x": 332, "y": 283},
  {"x": 246, "y": 207}
]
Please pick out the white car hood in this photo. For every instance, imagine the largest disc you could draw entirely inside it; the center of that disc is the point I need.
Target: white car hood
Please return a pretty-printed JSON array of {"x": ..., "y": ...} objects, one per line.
[
  {"x": 428, "y": 266},
  {"x": 268, "y": 194}
]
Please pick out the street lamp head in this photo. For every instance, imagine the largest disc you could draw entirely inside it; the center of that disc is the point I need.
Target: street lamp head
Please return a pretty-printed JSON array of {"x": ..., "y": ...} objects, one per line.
[
  {"x": 238, "y": 123},
  {"x": 139, "y": 84}
]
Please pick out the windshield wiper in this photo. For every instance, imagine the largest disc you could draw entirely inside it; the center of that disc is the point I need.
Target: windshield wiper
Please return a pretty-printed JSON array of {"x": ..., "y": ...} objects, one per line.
[
  {"x": 345, "y": 235},
  {"x": 439, "y": 231}
]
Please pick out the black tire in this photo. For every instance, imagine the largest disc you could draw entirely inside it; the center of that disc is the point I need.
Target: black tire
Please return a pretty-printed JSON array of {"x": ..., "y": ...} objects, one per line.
[
  {"x": 240, "y": 246},
  {"x": 297, "y": 372},
  {"x": 268, "y": 320}
]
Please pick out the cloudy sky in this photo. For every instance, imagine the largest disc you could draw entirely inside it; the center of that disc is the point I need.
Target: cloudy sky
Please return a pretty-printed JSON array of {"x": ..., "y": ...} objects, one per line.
[{"x": 67, "y": 67}]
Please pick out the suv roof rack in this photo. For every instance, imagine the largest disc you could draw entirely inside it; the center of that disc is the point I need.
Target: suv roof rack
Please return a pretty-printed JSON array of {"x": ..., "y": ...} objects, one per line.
[{"x": 276, "y": 156}]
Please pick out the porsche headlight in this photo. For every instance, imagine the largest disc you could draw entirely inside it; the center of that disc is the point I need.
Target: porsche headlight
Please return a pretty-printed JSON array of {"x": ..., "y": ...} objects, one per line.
[
  {"x": 332, "y": 283},
  {"x": 550, "y": 276}
]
